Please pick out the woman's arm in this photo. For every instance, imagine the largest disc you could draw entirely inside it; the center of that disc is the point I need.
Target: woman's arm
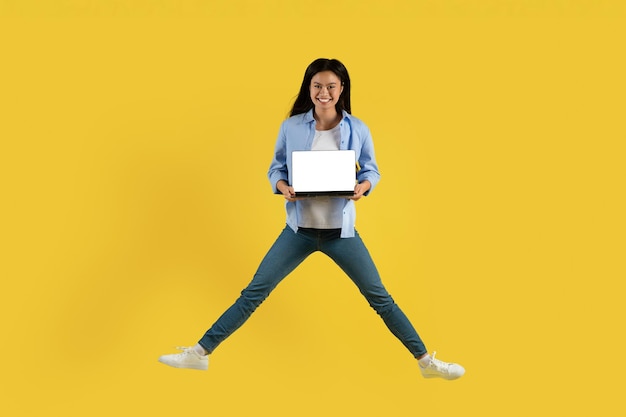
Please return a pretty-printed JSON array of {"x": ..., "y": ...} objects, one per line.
[
  {"x": 368, "y": 174},
  {"x": 278, "y": 170}
]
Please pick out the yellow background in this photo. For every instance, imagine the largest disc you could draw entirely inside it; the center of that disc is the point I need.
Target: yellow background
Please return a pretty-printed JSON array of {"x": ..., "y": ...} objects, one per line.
[{"x": 135, "y": 138}]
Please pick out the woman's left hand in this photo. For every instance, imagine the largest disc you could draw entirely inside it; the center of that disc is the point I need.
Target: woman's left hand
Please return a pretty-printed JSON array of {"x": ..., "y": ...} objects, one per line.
[{"x": 361, "y": 189}]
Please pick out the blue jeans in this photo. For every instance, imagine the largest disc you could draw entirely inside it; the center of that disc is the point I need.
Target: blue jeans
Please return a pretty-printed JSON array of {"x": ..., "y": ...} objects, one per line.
[{"x": 289, "y": 250}]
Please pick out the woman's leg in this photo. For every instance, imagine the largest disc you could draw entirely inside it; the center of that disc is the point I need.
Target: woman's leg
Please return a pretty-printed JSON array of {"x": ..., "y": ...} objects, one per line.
[
  {"x": 354, "y": 259},
  {"x": 289, "y": 250}
]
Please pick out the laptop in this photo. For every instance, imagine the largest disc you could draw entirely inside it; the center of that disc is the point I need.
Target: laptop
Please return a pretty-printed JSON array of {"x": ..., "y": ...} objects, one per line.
[{"x": 323, "y": 173}]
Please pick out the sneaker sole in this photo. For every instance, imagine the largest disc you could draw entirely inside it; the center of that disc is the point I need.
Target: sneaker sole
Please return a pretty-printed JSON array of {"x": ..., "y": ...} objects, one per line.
[
  {"x": 179, "y": 366},
  {"x": 442, "y": 377}
]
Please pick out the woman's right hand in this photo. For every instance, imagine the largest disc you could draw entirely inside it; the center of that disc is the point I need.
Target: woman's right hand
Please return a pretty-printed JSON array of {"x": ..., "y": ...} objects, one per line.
[{"x": 286, "y": 190}]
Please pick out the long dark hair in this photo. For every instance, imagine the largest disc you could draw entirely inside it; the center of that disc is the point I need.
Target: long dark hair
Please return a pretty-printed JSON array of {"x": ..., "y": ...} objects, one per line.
[{"x": 303, "y": 102}]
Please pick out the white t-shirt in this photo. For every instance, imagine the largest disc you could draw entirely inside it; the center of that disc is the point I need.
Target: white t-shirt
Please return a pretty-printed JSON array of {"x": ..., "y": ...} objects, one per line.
[{"x": 323, "y": 212}]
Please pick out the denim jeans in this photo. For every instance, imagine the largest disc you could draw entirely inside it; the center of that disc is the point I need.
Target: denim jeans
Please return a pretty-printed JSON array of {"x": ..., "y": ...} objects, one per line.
[{"x": 289, "y": 250}]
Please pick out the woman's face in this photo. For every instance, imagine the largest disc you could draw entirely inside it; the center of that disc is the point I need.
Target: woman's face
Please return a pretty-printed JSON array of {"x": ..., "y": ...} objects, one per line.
[{"x": 325, "y": 90}]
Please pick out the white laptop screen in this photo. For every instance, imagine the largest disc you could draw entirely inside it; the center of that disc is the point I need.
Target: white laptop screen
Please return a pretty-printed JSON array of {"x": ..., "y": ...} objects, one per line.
[{"x": 323, "y": 172}]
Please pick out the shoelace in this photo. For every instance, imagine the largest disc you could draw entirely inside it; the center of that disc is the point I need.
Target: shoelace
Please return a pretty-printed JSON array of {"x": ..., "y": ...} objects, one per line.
[
  {"x": 185, "y": 349},
  {"x": 439, "y": 365}
]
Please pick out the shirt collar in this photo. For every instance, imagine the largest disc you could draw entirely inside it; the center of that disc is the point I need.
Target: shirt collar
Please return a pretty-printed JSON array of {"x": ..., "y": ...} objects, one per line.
[{"x": 308, "y": 116}]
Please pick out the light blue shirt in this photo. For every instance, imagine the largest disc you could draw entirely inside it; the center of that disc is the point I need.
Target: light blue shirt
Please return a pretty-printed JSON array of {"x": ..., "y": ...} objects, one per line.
[{"x": 297, "y": 133}]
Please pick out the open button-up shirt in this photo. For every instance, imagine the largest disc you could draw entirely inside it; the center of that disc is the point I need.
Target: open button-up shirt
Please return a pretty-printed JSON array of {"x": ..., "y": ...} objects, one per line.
[{"x": 297, "y": 133}]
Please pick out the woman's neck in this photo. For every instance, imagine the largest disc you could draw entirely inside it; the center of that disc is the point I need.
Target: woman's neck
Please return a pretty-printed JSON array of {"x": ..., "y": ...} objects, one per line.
[{"x": 326, "y": 120}]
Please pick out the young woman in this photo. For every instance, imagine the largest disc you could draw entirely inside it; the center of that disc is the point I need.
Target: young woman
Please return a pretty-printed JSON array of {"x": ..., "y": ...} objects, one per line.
[{"x": 320, "y": 120}]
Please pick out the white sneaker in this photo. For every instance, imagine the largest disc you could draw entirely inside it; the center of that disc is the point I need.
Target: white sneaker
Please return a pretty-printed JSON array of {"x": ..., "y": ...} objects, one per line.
[
  {"x": 441, "y": 369},
  {"x": 188, "y": 358}
]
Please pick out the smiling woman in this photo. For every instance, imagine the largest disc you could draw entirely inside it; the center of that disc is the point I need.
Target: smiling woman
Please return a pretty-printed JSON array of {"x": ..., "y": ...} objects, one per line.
[
  {"x": 320, "y": 120},
  {"x": 499, "y": 227}
]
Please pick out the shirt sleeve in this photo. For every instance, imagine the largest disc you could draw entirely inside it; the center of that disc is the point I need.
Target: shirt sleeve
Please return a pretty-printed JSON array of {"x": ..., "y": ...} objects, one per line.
[
  {"x": 278, "y": 168},
  {"x": 367, "y": 160}
]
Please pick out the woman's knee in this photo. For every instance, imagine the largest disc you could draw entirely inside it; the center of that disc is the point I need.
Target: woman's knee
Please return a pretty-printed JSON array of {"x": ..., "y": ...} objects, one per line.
[{"x": 382, "y": 303}]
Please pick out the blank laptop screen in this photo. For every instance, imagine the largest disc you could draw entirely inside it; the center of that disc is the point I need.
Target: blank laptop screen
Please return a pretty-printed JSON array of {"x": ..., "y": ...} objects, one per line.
[{"x": 323, "y": 172}]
